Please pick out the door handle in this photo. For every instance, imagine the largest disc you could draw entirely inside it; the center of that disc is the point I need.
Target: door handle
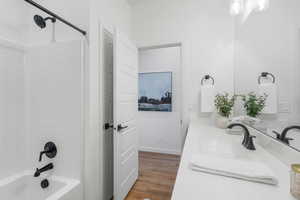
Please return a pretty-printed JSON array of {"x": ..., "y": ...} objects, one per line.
[
  {"x": 120, "y": 127},
  {"x": 108, "y": 126}
]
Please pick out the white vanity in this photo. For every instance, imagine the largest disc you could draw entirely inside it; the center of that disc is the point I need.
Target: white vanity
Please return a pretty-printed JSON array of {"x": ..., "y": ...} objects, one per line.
[{"x": 204, "y": 138}]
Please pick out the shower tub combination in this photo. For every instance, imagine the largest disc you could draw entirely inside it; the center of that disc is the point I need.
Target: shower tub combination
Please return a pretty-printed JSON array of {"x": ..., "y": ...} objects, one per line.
[
  {"x": 67, "y": 63},
  {"x": 24, "y": 186}
]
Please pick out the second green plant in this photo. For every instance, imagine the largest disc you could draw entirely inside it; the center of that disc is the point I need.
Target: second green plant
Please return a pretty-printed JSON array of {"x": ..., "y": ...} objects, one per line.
[{"x": 254, "y": 104}]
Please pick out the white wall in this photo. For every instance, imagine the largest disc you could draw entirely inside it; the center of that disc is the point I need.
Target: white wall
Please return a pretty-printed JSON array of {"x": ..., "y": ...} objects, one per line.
[
  {"x": 12, "y": 105},
  {"x": 160, "y": 131},
  {"x": 205, "y": 26},
  {"x": 114, "y": 13}
]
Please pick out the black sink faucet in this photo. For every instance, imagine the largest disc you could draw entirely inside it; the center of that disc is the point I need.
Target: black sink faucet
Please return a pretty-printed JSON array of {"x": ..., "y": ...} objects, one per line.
[
  {"x": 248, "y": 139},
  {"x": 283, "y": 137},
  {"x": 43, "y": 169}
]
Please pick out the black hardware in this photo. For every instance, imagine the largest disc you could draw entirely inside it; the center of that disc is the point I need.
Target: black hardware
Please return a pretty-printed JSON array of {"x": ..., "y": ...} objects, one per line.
[
  {"x": 108, "y": 126},
  {"x": 55, "y": 16},
  {"x": 45, "y": 183},
  {"x": 250, "y": 145},
  {"x": 285, "y": 139},
  {"x": 41, "y": 22},
  {"x": 265, "y": 75},
  {"x": 50, "y": 150},
  {"x": 43, "y": 169},
  {"x": 283, "y": 136},
  {"x": 278, "y": 135},
  {"x": 248, "y": 139},
  {"x": 206, "y": 78},
  {"x": 120, "y": 127}
]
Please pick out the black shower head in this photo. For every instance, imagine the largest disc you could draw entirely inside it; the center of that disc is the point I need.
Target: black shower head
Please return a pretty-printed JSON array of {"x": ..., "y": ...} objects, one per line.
[{"x": 41, "y": 22}]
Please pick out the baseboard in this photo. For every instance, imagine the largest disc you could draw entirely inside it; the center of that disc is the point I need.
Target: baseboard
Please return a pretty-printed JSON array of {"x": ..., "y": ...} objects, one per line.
[{"x": 157, "y": 150}]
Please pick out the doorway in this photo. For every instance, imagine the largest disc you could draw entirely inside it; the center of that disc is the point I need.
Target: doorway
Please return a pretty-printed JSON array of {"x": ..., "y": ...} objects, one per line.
[
  {"x": 120, "y": 119},
  {"x": 161, "y": 132}
]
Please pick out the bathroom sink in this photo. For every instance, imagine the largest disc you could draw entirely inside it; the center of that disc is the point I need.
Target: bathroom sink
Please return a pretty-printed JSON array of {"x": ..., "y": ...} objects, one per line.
[
  {"x": 224, "y": 145},
  {"x": 208, "y": 141}
]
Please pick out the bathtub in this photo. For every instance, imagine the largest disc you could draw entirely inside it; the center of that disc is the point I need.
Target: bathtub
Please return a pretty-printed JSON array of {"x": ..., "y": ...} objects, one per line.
[{"x": 24, "y": 186}]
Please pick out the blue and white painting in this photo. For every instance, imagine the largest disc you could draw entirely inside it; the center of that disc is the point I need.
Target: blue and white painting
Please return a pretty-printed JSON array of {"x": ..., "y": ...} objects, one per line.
[{"x": 155, "y": 91}]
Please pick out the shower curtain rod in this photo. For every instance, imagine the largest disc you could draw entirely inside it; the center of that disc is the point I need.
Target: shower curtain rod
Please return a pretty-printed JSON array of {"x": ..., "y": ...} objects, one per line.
[{"x": 55, "y": 16}]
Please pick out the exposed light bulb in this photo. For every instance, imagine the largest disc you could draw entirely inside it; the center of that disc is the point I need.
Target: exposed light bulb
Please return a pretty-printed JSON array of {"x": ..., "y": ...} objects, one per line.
[
  {"x": 262, "y": 4},
  {"x": 236, "y": 7},
  {"x": 246, "y": 7}
]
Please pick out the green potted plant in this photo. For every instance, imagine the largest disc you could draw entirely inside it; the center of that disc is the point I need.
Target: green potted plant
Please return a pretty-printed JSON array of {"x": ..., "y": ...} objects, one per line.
[
  {"x": 224, "y": 105},
  {"x": 254, "y": 104}
]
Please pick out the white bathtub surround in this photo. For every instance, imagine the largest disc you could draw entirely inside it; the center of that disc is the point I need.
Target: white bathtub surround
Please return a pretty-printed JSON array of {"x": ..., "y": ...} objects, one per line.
[
  {"x": 32, "y": 105},
  {"x": 269, "y": 89},
  {"x": 234, "y": 168},
  {"x": 206, "y": 140},
  {"x": 12, "y": 106},
  {"x": 54, "y": 105},
  {"x": 207, "y": 98},
  {"x": 23, "y": 186}
]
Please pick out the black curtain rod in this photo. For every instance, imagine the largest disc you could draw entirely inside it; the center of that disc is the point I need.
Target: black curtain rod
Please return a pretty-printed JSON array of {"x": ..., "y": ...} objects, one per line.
[{"x": 55, "y": 16}]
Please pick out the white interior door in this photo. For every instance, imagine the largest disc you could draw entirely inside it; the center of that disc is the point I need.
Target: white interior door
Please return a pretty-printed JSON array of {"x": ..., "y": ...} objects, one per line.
[{"x": 125, "y": 114}]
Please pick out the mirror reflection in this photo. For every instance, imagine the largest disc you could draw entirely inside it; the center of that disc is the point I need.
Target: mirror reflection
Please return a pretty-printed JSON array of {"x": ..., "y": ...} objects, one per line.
[{"x": 267, "y": 61}]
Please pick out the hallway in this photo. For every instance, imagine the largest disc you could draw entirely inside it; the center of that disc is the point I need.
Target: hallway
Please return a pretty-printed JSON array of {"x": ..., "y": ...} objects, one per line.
[{"x": 157, "y": 177}]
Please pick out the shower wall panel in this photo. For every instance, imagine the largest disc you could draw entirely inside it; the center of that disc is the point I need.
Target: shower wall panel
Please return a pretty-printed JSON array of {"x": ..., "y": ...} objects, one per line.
[
  {"x": 12, "y": 109},
  {"x": 54, "y": 94}
]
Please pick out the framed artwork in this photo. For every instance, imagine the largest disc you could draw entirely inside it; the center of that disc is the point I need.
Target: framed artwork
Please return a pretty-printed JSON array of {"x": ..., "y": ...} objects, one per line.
[{"x": 155, "y": 91}]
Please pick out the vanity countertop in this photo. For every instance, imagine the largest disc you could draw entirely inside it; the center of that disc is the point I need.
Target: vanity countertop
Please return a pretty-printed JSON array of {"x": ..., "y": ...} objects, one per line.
[{"x": 205, "y": 138}]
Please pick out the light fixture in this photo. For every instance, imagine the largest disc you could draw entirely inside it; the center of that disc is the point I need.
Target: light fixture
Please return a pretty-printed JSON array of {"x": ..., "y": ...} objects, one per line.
[
  {"x": 246, "y": 7},
  {"x": 262, "y": 4},
  {"x": 236, "y": 7}
]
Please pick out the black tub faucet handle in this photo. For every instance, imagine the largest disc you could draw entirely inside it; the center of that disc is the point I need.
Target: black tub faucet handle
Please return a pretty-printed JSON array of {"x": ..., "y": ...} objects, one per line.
[{"x": 50, "y": 150}]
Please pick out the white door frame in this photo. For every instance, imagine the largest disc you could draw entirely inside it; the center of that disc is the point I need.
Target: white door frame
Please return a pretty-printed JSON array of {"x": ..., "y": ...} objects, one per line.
[
  {"x": 184, "y": 69},
  {"x": 93, "y": 138}
]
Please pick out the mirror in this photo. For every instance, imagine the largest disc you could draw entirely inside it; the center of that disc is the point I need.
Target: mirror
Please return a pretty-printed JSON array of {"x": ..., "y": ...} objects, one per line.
[{"x": 269, "y": 41}]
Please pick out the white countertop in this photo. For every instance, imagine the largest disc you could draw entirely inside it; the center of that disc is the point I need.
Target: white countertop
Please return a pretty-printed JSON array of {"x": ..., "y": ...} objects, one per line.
[{"x": 203, "y": 138}]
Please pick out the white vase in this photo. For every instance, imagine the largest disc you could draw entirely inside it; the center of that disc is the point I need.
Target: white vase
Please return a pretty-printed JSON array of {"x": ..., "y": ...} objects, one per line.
[{"x": 222, "y": 122}]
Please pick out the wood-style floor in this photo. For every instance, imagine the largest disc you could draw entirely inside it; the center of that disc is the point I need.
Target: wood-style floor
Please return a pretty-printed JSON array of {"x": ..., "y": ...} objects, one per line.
[{"x": 157, "y": 177}]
